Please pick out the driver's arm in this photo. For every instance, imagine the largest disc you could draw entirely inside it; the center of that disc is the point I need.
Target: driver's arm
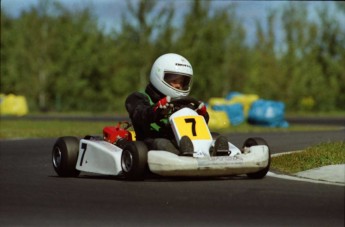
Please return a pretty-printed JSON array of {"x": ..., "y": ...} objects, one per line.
[
  {"x": 207, "y": 117},
  {"x": 202, "y": 110},
  {"x": 139, "y": 109}
]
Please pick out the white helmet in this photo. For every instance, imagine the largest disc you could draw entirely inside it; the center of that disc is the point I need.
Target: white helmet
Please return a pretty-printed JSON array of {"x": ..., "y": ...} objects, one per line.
[{"x": 168, "y": 66}]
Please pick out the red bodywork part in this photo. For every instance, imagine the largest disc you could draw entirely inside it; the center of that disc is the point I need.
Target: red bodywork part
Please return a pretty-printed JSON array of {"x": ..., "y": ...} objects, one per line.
[{"x": 112, "y": 134}]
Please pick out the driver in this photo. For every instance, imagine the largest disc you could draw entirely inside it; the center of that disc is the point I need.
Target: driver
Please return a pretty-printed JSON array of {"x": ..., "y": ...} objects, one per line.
[{"x": 171, "y": 77}]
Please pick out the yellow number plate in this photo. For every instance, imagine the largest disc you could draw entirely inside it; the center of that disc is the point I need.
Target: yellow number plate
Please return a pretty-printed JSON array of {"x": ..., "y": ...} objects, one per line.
[{"x": 194, "y": 127}]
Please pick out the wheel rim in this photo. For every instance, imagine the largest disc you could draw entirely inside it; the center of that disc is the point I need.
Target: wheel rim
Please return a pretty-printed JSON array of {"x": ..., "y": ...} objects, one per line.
[
  {"x": 126, "y": 161},
  {"x": 57, "y": 157}
]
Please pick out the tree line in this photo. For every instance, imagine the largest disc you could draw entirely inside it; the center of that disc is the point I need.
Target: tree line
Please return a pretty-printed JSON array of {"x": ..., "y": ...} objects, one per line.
[{"x": 61, "y": 60}]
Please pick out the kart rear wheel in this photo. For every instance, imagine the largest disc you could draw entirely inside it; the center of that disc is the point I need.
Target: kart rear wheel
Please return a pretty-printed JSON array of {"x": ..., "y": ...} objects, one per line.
[
  {"x": 134, "y": 160},
  {"x": 258, "y": 141},
  {"x": 65, "y": 156}
]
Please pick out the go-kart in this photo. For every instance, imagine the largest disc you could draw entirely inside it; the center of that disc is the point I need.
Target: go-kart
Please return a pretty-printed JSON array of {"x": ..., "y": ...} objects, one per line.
[{"x": 118, "y": 153}]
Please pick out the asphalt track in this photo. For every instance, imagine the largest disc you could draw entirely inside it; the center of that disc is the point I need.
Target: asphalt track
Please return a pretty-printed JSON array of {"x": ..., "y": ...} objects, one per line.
[{"x": 31, "y": 194}]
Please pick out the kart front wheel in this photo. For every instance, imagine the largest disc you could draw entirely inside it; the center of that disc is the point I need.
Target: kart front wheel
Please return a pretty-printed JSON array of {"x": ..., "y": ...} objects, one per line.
[
  {"x": 65, "y": 156},
  {"x": 253, "y": 142},
  {"x": 134, "y": 160}
]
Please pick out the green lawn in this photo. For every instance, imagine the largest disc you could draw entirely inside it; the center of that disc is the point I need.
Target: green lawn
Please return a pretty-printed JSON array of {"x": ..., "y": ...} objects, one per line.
[
  {"x": 323, "y": 154},
  {"x": 22, "y": 128},
  {"x": 48, "y": 129}
]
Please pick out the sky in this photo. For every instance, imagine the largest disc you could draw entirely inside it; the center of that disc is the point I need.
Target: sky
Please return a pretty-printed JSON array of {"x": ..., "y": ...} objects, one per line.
[{"x": 108, "y": 12}]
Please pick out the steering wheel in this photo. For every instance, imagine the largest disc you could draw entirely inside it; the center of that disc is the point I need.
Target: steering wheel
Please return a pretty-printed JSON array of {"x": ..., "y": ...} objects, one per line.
[{"x": 181, "y": 102}]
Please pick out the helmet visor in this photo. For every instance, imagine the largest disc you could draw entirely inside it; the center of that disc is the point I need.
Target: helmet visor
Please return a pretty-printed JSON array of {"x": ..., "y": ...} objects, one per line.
[{"x": 178, "y": 81}]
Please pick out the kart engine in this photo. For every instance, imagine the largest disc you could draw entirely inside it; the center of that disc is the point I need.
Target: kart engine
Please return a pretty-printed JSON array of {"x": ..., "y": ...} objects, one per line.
[{"x": 120, "y": 132}]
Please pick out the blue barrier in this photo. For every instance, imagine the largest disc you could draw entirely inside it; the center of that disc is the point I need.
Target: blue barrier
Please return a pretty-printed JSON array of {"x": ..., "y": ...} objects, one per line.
[
  {"x": 267, "y": 113},
  {"x": 233, "y": 111}
]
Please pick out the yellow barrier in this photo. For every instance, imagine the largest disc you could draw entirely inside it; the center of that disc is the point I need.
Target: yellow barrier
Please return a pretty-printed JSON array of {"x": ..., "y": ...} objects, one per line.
[
  {"x": 218, "y": 119},
  {"x": 13, "y": 105},
  {"x": 217, "y": 101},
  {"x": 245, "y": 100}
]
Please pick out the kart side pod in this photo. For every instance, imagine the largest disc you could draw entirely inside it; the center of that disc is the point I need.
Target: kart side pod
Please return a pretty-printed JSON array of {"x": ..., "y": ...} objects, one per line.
[{"x": 99, "y": 157}]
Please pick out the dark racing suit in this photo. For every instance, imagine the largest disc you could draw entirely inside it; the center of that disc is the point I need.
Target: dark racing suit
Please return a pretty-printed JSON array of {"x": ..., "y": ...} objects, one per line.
[{"x": 151, "y": 126}]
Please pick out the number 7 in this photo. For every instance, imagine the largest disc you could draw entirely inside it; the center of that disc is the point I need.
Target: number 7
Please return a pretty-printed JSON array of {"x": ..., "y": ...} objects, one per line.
[
  {"x": 83, "y": 147},
  {"x": 191, "y": 120}
]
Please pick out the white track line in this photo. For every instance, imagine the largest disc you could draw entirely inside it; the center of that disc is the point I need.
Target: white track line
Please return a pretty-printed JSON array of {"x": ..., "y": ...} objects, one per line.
[{"x": 295, "y": 178}]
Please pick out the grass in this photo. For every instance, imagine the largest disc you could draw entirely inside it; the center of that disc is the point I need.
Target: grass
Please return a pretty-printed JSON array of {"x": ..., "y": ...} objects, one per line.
[
  {"x": 323, "y": 154},
  {"x": 23, "y": 128},
  {"x": 49, "y": 129},
  {"x": 313, "y": 114},
  {"x": 245, "y": 128}
]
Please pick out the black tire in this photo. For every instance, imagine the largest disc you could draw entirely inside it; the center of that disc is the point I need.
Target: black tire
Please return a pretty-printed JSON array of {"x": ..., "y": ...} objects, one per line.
[
  {"x": 65, "y": 156},
  {"x": 258, "y": 141},
  {"x": 134, "y": 160}
]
